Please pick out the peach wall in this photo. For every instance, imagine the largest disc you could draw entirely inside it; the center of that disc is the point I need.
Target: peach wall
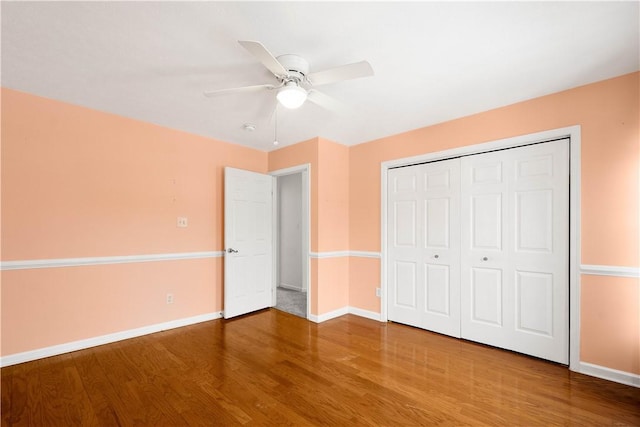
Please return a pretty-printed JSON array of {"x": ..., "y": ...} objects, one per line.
[
  {"x": 81, "y": 183},
  {"x": 364, "y": 277},
  {"x": 608, "y": 113},
  {"x": 611, "y": 328},
  {"x": 333, "y": 196},
  {"x": 333, "y": 225},
  {"x": 46, "y": 307},
  {"x": 333, "y": 280}
]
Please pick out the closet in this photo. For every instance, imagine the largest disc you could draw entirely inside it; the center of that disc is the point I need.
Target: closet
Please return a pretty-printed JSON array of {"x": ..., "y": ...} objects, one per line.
[{"x": 478, "y": 248}]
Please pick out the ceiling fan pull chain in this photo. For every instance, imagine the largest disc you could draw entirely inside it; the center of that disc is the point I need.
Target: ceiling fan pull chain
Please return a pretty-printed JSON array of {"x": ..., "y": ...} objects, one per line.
[{"x": 275, "y": 131}]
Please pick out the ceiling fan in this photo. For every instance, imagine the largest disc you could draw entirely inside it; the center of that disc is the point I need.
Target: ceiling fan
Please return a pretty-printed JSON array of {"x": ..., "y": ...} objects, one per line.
[{"x": 294, "y": 81}]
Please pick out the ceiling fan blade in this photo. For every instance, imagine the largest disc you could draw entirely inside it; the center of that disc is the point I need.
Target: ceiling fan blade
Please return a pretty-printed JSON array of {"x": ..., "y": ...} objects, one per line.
[
  {"x": 327, "y": 102},
  {"x": 254, "y": 88},
  {"x": 343, "y": 72},
  {"x": 264, "y": 56}
]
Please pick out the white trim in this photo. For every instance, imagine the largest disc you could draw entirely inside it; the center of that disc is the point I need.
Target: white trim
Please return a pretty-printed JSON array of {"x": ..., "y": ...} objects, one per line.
[
  {"x": 605, "y": 373},
  {"x": 572, "y": 132},
  {"x": 291, "y": 170},
  {"x": 79, "y": 262},
  {"x": 291, "y": 287},
  {"x": 384, "y": 169},
  {"x": 275, "y": 242},
  {"x": 330, "y": 315},
  {"x": 345, "y": 310},
  {"x": 575, "y": 241},
  {"x": 483, "y": 147},
  {"x": 365, "y": 254},
  {"x": 340, "y": 254},
  {"x": 610, "y": 270},
  {"x": 333, "y": 254},
  {"x": 365, "y": 313},
  {"x": 55, "y": 350}
]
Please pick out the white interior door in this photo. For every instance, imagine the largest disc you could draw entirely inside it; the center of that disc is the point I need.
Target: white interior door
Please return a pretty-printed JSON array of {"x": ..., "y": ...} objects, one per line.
[
  {"x": 424, "y": 246},
  {"x": 515, "y": 249},
  {"x": 248, "y": 242}
]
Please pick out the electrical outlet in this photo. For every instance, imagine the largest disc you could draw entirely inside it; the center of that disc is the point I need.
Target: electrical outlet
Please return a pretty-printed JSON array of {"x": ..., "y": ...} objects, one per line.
[
  {"x": 182, "y": 221},
  {"x": 378, "y": 292},
  {"x": 169, "y": 298}
]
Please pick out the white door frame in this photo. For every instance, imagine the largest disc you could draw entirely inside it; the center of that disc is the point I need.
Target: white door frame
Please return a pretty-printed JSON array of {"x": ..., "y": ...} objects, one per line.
[
  {"x": 572, "y": 132},
  {"x": 305, "y": 169}
]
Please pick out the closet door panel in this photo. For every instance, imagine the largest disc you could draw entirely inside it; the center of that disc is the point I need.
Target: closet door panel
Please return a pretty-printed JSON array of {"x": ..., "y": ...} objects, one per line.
[
  {"x": 426, "y": 237},
  {"x": 404, "y": 263},
  {"x": 514, "y": 253},
  {"x": 539, "y": 211},
  {"x": 484, "y": 298},
  {"x": 437, "y": 290}
]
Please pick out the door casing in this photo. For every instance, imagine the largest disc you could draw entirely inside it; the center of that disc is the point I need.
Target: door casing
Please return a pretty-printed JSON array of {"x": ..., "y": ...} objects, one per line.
[
  {"x": 305, "y": 170},
  {"x": 572, "y": 132}
]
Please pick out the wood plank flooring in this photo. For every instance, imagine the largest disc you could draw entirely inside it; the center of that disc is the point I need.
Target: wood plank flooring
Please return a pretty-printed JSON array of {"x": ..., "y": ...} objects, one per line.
[{"x": 273, "y": 368}]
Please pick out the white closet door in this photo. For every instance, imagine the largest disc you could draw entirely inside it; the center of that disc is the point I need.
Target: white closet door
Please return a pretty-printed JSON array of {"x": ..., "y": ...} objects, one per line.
[
  {"x": 424, "y": 249},
  {"x": 515, "y": 249}
]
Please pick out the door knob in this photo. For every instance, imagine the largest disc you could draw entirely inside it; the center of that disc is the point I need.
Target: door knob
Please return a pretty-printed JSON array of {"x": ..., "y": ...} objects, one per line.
[
  {"x": 232, "y": 251},
  {"x": 485, "y": 258},
  {"x": 436, "y": 256}
]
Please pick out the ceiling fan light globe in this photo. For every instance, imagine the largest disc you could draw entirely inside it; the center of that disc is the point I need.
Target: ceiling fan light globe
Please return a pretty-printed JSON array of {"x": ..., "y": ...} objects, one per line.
[{"x": 292, "y": 96}]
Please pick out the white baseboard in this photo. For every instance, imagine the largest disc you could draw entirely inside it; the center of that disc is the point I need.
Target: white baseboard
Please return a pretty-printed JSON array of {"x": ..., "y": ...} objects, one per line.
[
  {"x": 292, "y": 287},
  {"x": 345, "y": 310},
  {"x": 55, "y": 350},
  {"x": 330, "y": 315},
  {"x": 610, "y": 374},
  {"x": 365, "y": 313}
]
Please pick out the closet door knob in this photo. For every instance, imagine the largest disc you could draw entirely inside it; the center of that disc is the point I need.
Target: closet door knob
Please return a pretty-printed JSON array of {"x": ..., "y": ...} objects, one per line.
[
  {"x": 436, "y": 256},
  {"x": 485, "y": 258}
]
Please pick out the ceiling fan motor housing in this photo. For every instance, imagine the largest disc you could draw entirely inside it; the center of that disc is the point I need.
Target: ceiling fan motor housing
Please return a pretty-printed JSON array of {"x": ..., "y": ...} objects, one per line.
[
  {"x": 297, "y": 66},
  {"x": 294, "y": 80}
]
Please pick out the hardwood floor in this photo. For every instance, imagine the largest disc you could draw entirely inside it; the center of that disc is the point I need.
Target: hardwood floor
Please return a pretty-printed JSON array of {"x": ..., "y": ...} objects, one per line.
[{"x": 273, "y": 368}]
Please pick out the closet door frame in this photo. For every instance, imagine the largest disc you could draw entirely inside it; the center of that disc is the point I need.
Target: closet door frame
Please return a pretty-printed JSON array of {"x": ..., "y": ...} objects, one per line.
[{"x": 574, "y": 135}]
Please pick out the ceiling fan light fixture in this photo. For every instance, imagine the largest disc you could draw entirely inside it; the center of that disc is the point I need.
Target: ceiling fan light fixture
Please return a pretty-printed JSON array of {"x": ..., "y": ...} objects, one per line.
[{"x": 291, "y": 95}]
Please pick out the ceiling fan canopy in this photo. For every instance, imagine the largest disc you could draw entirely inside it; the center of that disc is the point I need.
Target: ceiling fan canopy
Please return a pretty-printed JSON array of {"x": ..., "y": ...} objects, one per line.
[{"x": 293, "y": 80}]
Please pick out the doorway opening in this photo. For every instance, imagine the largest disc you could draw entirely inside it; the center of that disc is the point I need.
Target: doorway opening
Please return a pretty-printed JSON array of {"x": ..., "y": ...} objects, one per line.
[{"x": 291, "y": 241}]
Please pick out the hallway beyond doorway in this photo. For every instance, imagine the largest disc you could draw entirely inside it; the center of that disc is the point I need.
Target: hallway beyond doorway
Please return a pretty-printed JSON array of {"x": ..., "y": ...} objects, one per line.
[{"x": 291, "y": 301}]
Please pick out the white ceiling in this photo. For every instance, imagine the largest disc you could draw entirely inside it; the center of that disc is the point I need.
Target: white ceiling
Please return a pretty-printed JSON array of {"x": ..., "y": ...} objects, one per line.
[{"x": 433, "y": 61}]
